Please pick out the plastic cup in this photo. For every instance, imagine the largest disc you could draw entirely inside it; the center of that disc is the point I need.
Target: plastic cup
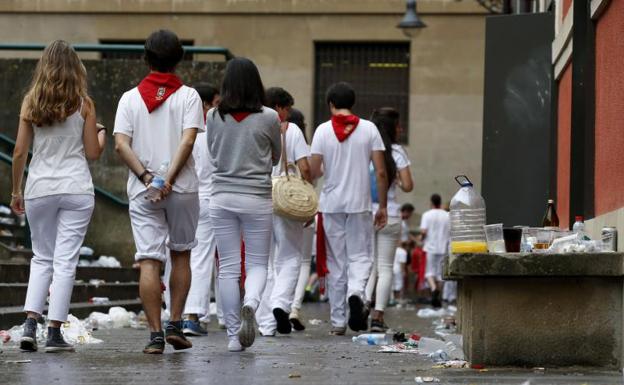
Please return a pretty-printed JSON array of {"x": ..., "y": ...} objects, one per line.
[
  {"x": 544, "y": 238},
  {"x": 513, "y": 238},
  {"x": 494, "y": 238}
]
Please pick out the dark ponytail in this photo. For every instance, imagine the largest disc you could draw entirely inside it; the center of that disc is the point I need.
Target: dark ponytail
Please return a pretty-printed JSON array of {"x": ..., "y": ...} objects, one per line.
[{"x": 387, "y": 119}]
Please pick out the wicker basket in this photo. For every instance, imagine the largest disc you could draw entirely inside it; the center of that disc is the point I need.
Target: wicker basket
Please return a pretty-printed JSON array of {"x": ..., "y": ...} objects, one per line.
[{"x": 293, "y": 197}]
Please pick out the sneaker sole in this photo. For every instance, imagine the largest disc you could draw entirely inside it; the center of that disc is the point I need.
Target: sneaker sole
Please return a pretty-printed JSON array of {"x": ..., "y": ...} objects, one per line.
[
  {"x": 247, "y": 332},
  {"x": 337, "y": 333},
  {"x": 28, "y": 344},
  {"x": 356, "y": 314},
  {"x": 283, "y": 323},
  {"x": 297, "y": 324},
  {"x": 153, "y": 351},
  {"x": 376, "y": 329},
  {"x": 56, "y": 349},
  {"x": 178, "y": 342},
  {"x": 192, "y": 333}
]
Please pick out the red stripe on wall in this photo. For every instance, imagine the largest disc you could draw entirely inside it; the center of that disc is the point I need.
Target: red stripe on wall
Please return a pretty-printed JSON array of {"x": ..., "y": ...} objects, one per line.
[
  {"x": 564, "y": 129},
  {"x": 609, "y": 123}
]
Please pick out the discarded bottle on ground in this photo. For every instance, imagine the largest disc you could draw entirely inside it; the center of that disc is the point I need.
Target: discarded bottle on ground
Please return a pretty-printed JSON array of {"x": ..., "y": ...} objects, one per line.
[
  {"x": 579, "y": 225},
  {"x": 373, "y": 339},
  {"x": 158, "y": 182},
  {"x": 467, "y": 219},
  {"x": 431, "y": 345}
]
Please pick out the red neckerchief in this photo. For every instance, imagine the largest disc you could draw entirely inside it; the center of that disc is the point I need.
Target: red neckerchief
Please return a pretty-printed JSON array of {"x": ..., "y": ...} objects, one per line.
[
  {"x": 321, "y": 253},
  {"x": 344, "y": 125},
  {"x": 239, "y": 116},
  {"x": 156, "y": 87}
]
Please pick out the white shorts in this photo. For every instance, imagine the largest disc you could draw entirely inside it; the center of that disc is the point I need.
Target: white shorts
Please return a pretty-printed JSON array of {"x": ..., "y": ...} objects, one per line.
[
  {"x": 171, "y": 223},
  {"x": 435, "y": 264}
]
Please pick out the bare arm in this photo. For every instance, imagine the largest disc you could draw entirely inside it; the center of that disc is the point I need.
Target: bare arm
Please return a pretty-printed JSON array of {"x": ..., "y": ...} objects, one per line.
[
  {"x": 316, "y": 166},
  {"x": 20, "y": 156},
  {"x": 304, "y": 168},
  {"x": 405, "y": 179},
  {"x": 123, "y": 147},
  {"x": 381, "y": 217},
  {"x": 92, "y": 146},
  {"x": 182, "y": 154}
]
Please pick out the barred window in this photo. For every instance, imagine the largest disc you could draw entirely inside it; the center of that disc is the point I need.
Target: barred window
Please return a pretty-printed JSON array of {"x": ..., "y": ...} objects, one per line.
[{"x": 378, "y": 71}]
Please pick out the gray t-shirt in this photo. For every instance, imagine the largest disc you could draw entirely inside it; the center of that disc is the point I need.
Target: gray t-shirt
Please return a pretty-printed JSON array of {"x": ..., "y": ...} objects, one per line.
[{"x": 243, "y": 153}]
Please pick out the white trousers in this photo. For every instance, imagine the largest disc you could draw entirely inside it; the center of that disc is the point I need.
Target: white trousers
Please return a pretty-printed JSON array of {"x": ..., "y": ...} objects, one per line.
[
  {"x": 385, "y": 244},
  {"x": 202, "y": 264},
  {"x": 256, "y": 232},
  {"x": 450, "y": 291},
  {"x": 304, "y": 270},
  {"x": 58, "y": 224},
  {"x": 284, "y": 271},
  {"x": 349, "y": 260}
]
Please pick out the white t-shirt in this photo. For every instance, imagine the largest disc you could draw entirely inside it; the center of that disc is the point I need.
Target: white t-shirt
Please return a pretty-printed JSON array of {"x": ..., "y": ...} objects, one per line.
[
  {"x": 156, "y": 136},
  {"x": 438, "y": 226},
  {"x": 203, "y": 166},
  {"x": 402, "y": 161},
  {"x": 400, "y": 256},
  {"x": 346, "y": 185},
  {"x": 296, "y": 147}
]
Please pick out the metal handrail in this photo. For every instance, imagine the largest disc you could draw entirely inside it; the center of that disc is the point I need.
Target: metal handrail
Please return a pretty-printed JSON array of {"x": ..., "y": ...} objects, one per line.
[
  {"x": 98, "y": 190},
  {"x": 116, "y": 48}
]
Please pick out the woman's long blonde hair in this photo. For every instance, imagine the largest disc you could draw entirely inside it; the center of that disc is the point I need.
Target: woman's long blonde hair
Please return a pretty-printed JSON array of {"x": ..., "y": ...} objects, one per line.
[{"x": 58, "y": 86}]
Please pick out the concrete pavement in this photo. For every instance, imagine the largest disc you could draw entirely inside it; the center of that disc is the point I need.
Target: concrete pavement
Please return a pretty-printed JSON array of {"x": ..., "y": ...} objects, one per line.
[{"x": 310, "y": 357}]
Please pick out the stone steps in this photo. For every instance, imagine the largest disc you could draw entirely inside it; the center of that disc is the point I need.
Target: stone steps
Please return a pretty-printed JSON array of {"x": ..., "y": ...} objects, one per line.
[
  {"x": 12, "y": 294},
  {"x": 18, "y": 273}
]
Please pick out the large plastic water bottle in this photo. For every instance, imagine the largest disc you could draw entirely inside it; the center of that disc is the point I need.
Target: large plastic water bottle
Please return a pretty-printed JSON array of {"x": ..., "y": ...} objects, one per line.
[
  {"x": 467, "y": 219},
  {"x": 158, "y": 182},
  {"x": 373, "y": 339}
]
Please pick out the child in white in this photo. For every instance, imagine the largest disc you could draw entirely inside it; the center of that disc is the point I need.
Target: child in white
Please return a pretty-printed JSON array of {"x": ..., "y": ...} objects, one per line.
[
  {"x": 60, "y": 123},
  {"x": 436, "y": 229},
  {"x": 287, "y": 234},
  {"x": 202, "y": 255},
  {"x": 343, "y": 148},
  {"x": 398, "y": 269}
]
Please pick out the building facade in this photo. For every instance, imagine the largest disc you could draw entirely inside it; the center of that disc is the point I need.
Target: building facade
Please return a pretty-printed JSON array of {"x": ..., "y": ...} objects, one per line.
[
  {"x": 588, "y": 59},
  {"x": 438, "y": 78}
]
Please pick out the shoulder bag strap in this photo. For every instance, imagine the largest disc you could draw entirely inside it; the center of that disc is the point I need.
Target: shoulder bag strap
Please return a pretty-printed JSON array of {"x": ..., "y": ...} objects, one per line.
[{"x": 284, "y": 160}]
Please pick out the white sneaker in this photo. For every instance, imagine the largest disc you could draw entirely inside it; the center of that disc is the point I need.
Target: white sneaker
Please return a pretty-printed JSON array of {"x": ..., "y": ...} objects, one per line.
[
  {"x": 234, "y": 345},
  {"x": 247, "y": 331}
]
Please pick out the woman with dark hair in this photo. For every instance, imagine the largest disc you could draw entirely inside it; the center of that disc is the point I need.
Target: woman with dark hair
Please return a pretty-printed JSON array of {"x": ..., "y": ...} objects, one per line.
[
  {"x": 386, "y": 240},
  {"x": 244, "y": 145}
]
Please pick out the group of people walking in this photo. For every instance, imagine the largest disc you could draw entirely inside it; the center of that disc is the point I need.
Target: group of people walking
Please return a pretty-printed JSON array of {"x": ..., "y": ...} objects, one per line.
[{"x": 200, "y": 196}]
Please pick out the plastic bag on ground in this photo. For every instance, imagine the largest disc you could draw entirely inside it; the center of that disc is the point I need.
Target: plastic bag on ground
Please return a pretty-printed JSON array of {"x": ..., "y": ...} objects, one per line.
[
  {"x": 75, "y": 332},
  {"x": 431, "y": 313},
  {"x": 97, "y": 320},
  {"x": 106, "y": 261},
  {"x": 119, "y": 316}
]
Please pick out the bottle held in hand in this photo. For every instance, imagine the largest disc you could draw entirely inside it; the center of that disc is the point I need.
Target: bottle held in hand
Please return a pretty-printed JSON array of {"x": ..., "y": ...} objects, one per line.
[{"x": 156, "y": 187}]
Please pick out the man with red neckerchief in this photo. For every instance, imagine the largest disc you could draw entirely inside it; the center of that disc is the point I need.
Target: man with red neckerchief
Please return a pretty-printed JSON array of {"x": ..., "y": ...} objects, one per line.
[
  {"x": 155, "y": 128},
  {"x": 342, "y": 150}
]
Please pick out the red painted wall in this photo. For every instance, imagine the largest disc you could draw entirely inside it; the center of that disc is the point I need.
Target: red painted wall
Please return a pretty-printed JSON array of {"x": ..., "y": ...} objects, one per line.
[
  {"x": 564, "y": 127},
  {"x": 609, "y": 167}
]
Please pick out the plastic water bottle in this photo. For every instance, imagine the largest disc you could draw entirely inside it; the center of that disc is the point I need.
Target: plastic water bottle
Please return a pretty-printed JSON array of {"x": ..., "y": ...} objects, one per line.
[
  {"x": 467, "y": 219},
  {"x": 158, "y": 182},
  {"x": 431, "y": 345},
  {"x": 373, "y": 339},
  {"x": 579, "y": 225}
]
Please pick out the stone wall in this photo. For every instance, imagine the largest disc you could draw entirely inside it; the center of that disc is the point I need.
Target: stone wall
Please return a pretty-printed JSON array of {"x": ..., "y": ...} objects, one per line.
[{"x": 109, "y": 232}]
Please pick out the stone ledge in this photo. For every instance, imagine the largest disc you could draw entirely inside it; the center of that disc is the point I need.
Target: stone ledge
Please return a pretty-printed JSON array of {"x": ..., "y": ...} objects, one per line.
[{"x": 534, "y": 265}]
